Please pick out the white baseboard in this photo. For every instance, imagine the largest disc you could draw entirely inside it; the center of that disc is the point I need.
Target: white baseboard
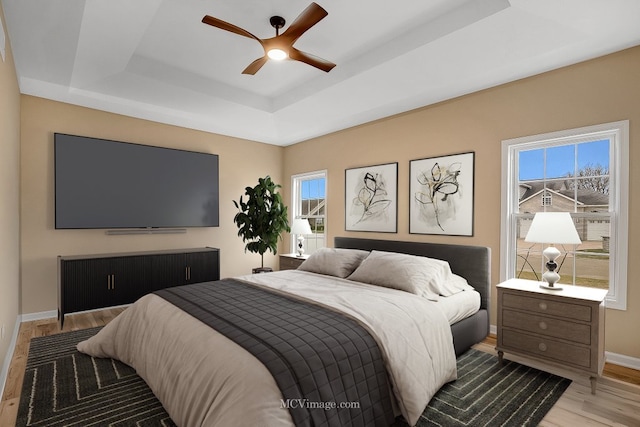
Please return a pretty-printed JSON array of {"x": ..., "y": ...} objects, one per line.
[
  {"x": 9, "y": 356},
  {"x": 54, "y": 313},
  {"x": 613, "y": 358},
  {"x": 39, "y": 316},
  {"x": 622, "y": 360}
]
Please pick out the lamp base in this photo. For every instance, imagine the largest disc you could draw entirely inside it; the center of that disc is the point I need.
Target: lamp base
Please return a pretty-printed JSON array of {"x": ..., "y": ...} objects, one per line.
[
  {"x": 550, "y": 277},
  {"x": 544, "y": 285},
  {"x": 300, "y": 246}
]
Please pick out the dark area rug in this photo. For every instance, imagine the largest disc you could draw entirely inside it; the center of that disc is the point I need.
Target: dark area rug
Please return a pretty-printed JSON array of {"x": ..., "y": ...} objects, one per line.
[
  {"x": 63, "y": 387},
  {"x": 487, "y": 394}
]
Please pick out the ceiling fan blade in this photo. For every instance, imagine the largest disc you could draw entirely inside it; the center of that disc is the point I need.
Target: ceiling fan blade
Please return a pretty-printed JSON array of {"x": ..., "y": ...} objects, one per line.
[
  {"x": 312, "y": 60},
  {"x": 256, "y": 65},
  {"x": 307, "y": 19},
  {"x": 218, "y": 23}
]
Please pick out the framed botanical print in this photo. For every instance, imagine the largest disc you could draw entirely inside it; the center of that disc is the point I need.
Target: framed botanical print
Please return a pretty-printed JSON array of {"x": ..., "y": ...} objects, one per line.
[
  {"x": 371, "y": 198},
  {"x": 441, "y": 195}
]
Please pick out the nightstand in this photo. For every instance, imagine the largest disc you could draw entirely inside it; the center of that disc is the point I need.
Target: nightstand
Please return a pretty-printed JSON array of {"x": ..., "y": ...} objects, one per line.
[
  {"x": 291, "y": 261},
  {"x": 564, "y": 327}
]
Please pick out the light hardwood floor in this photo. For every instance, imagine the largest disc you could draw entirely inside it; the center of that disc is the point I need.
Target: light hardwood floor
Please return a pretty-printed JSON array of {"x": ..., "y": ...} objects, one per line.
[{"x": 616, "y": 403}]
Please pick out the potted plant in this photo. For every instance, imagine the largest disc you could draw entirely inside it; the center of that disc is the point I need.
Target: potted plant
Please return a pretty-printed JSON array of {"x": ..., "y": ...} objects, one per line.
[{"x": 261, "y": 219}]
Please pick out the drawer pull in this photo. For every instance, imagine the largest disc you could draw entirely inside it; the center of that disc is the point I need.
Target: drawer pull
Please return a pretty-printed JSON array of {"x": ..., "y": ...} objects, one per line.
[
  {"x": 542, "y": 347},
  {"x": 543, "y": 325},
  {"x": 542, "y": 305}
]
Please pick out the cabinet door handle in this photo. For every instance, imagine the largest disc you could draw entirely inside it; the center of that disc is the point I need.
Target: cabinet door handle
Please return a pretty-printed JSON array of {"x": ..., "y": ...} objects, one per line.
[
  {"x": 543, "y": 306},
  {"x": 113, "y": 281},
  {"x": 189, "y": 269},
  {"x": 542, "y": 347}
]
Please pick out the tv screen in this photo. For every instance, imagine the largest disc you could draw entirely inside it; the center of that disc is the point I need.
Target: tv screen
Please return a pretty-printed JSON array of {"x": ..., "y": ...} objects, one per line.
[{"x": 109, "y": 184}]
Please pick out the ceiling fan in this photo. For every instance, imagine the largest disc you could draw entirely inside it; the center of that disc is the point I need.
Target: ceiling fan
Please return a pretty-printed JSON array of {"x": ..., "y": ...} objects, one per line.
[{"x": 281, "y": 46}]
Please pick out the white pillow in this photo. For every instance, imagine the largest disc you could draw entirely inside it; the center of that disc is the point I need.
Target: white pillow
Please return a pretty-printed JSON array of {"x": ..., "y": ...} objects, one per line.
[
  {"x": 334, "y": 262},
  {"x": 416, "y": 274},
  {"x": 454, "y": 285}
]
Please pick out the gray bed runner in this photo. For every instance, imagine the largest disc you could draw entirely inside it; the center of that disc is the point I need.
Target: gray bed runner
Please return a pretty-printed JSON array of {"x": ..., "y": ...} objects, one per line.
[{"x": 317, "y": 357}]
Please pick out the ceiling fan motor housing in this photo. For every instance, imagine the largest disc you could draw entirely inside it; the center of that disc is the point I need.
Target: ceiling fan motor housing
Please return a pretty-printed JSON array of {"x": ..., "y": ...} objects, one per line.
[{"x": 277, "y": 22}]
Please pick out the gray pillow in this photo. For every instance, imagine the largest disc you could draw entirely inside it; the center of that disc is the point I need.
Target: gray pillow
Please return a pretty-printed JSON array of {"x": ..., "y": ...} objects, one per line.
[
  {"x": 334, "y": 262},
  {"x": 415, "y": 274}
]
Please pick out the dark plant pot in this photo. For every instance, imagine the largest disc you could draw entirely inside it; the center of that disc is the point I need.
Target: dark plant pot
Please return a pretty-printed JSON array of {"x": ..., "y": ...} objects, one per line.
[{"x": 262, "y": 270}]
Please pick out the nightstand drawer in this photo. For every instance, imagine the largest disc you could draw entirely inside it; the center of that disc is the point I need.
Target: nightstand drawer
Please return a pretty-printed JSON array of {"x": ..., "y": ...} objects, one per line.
[
  {"x": 545, "y": 306},
  {"x": 548, "y": 348},
  {"x": 571, "y": 331}
]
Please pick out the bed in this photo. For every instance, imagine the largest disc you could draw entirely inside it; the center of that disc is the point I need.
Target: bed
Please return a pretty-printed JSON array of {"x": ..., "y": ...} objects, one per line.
[
  {"x": 392, "y": 349},
  {"x": 471, "y": 262}
]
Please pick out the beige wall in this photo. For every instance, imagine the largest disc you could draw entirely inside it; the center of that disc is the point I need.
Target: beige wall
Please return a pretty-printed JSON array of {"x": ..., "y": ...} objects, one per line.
[
  {"x": 598, "y": 91},
  {"x": 9, "y": 199},
  {"x": 241, "y": 164}
]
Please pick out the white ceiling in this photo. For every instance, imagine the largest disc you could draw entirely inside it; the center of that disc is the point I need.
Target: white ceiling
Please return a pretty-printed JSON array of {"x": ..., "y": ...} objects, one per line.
[{"x": 154, "y": 59}]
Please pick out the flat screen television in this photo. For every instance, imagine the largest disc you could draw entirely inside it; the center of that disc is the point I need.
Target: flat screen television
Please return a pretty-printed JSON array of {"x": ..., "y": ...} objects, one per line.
[{"x": 109, "y": 184}]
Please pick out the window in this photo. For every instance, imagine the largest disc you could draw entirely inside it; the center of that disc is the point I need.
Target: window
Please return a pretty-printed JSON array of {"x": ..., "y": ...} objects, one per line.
[
  {"x": 308, "y": 192},
  {"x": 584, "y": 172}
]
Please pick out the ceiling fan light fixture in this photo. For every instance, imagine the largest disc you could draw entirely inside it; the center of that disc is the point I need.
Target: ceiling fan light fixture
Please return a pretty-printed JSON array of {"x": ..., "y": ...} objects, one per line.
[
  {"x": 281, "y": 47},
  {"x": 277, "y": 54}
]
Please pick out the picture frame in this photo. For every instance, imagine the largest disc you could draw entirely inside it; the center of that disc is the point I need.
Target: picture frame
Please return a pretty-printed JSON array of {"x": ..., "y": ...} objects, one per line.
[
  {"x": 371, "y": 198},
  {"x": 441, "y": 195}
]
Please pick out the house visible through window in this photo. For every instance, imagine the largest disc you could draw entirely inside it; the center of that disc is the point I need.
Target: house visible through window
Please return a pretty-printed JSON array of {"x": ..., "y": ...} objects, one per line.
[
  {"x": 583, "y": 172},
  {"x": 309, "y": 202}
]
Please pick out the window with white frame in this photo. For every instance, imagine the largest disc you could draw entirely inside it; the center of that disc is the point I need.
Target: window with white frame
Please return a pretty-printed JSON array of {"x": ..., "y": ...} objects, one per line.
[
  {"x": 308, "y": 194},
  {"x": 581, "y": 171}
]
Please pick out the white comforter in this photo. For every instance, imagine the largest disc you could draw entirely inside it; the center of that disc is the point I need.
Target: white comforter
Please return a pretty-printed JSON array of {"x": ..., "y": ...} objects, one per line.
[{"x": 204, "y": 379}]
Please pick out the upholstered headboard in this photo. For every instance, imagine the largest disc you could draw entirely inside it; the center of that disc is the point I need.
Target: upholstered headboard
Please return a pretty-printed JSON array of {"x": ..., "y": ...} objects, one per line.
[{"x": 471, "y": 262}]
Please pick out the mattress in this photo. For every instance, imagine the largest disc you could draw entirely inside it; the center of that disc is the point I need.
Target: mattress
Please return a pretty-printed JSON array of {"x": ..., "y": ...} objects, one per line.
[
  {"x": 459, "y": 306},
  {"x": 455, "y": 307}
]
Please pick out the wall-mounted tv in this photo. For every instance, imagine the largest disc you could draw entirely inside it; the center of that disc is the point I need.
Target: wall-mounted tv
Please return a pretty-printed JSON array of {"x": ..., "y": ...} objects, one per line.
[{"x": 110, "y": 184}]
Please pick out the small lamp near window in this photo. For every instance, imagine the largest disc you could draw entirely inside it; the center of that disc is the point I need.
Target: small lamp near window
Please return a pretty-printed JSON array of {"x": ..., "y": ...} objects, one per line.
[
  {"x": 552, "y": 228},
  {"x": 300, "y": 227}
]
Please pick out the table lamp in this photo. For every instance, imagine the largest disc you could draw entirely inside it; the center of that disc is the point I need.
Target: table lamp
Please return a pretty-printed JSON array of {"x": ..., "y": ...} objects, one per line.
[
  {"x": 552, "y": 228},
  {"x": 300, "y": 226}
]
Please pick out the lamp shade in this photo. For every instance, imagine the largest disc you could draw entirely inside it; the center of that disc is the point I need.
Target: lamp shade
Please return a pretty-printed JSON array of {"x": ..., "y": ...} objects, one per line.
[
  {"x": 300, "y": 226},
  {"x": 553, "y": 227}
]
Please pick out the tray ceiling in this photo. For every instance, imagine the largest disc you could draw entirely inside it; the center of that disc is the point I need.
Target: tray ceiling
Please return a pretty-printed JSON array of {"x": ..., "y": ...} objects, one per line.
[{"x": 154, "y": 59}]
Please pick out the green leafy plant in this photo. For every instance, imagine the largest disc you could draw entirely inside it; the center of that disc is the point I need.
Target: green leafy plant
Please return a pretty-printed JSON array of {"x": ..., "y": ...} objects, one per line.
[{"x": 262, "y": 218}]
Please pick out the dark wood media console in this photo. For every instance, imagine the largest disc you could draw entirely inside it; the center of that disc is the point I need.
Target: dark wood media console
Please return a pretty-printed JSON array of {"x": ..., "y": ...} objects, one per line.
[{"x": 89, "y": 282}]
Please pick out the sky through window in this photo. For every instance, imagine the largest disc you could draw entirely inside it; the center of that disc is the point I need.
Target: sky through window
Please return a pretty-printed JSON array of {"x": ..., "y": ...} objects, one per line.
[{"x": 561, "y": 160}]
